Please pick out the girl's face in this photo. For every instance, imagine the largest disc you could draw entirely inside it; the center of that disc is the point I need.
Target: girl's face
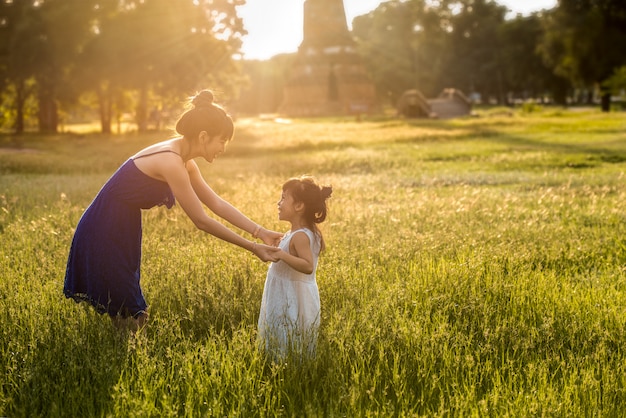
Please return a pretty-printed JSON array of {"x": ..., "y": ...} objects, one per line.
[
  {"x": 286, "y": 207},
  {"x": 213, "y": 146}
]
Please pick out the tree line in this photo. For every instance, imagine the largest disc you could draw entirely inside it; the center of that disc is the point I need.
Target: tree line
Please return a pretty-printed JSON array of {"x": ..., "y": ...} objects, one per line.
[
  {"x": 140, "y": 56},
  {"x": 118, "y": 55},
  {"x": 574, "y": 48},
  {"x": 572, "y": 53}
]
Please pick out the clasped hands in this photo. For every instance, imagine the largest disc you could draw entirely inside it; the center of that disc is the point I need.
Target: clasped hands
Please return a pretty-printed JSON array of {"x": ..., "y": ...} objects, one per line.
[{"x": 269, "y": 250}]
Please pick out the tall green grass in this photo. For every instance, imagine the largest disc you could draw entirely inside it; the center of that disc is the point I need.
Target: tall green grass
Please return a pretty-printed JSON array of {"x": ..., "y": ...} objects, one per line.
[{"x": 475, "y": 267}]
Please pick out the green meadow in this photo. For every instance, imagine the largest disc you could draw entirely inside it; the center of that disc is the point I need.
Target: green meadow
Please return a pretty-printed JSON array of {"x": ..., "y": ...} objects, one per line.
[{"x": 474, "y": 267}]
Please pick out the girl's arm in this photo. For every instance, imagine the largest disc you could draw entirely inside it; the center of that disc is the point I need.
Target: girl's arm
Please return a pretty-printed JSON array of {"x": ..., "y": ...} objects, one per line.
[
  {"x": 299, "y": 257},
  {"x": 178, "y": 179},
  {"x": 225, "y": 210}
]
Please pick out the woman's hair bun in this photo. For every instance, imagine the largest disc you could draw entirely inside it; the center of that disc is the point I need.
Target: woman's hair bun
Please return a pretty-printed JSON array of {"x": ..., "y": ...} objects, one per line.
[{"x": 203, "y": 99}]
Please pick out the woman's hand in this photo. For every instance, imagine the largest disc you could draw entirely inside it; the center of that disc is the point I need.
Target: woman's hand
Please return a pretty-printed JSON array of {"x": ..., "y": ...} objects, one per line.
[
  {"x": 265, "y": 252},
  {"x": 269, "y": 237}
]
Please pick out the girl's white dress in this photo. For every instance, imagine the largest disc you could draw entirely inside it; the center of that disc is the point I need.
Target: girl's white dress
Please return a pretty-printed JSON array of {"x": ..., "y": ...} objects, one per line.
[{"x": 290, "y": 307}]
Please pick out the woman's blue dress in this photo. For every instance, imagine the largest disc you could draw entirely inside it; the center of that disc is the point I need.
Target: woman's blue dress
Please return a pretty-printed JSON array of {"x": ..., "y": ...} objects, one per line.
[{"x": 103, "y": 267}]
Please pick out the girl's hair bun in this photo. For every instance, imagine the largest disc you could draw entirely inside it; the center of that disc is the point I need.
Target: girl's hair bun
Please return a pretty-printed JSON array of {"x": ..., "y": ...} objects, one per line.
[
  {"x": 326, "y": 191},
  {"x": 203, "y": 99}
]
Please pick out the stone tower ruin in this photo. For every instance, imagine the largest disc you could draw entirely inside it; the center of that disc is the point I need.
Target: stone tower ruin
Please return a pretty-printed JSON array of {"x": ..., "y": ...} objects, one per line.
[{"x": 327, "y": 76}]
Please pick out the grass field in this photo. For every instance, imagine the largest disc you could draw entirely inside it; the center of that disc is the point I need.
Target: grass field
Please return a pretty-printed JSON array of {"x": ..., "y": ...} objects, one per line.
[{"x": 475, "y": 267}]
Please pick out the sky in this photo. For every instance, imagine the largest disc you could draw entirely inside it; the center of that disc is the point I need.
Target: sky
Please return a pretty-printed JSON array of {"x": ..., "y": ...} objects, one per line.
[{"x": 275, "y": 26}]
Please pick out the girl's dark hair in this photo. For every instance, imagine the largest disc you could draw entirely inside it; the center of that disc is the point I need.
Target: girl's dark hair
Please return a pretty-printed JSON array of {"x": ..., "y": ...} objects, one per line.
[
  {"x": 306, "y": 190},
  {"x": 204, "y": 115}
]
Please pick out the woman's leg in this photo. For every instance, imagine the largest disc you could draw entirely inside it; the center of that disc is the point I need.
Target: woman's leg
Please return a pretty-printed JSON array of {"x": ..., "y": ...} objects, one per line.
[
  {"x": 141, "y": 320},
  {"x": 130, "y": 323}
]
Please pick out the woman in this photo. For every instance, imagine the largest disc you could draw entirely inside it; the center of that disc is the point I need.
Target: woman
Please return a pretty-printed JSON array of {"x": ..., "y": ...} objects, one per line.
[{"x": 103, "y": 267}]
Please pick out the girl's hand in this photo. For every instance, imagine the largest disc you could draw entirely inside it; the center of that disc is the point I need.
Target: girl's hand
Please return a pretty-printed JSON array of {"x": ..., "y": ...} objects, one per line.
[
  {"x": 265, "y": 252},
  {"x": 270, "y": 237}
]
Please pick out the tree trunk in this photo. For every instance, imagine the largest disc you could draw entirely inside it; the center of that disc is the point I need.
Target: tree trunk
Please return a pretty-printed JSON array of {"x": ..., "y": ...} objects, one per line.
[
  {"x": 502, "y": 96},
  {"x": 605, "y": 101},
  {"x": 48, "y": 110},
  {"x": 105, "y": 104},
  {"x": 559, "y": 92},
  {"x": 142, "y": 110},
  {"x": 20, "y": 99}
]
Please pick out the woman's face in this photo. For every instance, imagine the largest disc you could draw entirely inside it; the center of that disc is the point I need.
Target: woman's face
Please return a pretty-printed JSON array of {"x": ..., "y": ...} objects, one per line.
[{"x": 213, "y": 146}]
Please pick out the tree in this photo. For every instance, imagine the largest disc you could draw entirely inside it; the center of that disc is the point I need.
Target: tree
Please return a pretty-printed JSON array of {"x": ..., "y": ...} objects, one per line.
[
  {"x": 474, "y": 49},
  {"x": 616, "y": 84},
  {"x": 19, "y": 51},
  {"x": 42, "y": 40},
  {"x": 584, "y": 42},
  {"x": 525, "y": 73},
  {"x": 64, "y": 26},
  {"x": 175, "y": 47},
  {"x": 109, "y": 47},
  {"x": 402, "y": 45},
  {"x": 429, "y": 46},
  {"x": 262, "y": 92}
]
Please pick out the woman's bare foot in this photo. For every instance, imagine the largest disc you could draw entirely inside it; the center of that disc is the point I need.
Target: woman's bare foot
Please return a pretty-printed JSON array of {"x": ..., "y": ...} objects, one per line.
[{"x": 130, "y": 324}]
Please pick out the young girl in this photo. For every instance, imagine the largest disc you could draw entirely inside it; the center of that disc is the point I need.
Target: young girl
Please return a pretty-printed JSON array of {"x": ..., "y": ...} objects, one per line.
[
  {"x": 290, "y": 307},
  {"x": 103, "y": 266}
]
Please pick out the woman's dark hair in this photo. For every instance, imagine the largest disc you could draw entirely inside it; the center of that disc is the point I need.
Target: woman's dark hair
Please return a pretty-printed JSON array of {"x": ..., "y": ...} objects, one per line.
[
  {"x": 204, "y": 115},
  {"x": 305, "y": 190}
]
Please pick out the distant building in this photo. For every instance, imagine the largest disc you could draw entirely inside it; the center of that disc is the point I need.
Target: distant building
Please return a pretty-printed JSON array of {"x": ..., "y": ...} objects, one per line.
[{"x": 328, "y": 76}]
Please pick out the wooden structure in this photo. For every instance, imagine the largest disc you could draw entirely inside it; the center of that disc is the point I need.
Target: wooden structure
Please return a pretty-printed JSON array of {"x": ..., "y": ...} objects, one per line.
[
  {"x": 327, "y": 76},
  {"x": 413, "y": 104},
  {"x": 450, "y": 103}
]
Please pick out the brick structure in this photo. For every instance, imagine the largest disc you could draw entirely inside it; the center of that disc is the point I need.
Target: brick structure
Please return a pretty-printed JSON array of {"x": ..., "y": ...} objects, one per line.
[{"x": 328, "y": 76}]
